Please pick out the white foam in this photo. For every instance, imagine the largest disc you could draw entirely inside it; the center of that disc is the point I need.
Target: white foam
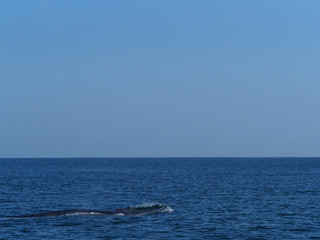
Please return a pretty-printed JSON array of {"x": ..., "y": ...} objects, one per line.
[
  {"x": 167, "y": 209},
  {"x": 162, "y": 208},
  {"x": 149, "y": 205}
]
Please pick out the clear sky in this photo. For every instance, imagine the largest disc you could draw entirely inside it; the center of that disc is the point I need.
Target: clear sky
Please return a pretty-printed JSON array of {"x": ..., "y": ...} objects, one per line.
[{"x": 162, "y": 78}]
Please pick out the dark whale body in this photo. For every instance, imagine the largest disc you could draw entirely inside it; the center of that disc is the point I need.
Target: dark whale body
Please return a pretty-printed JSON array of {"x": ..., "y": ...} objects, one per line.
[
  {"x": 117, "y": 212},
  {"x": 69, "y": 212}
]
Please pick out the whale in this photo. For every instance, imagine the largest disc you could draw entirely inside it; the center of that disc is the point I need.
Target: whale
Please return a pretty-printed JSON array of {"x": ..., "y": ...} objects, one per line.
[{"x": 134, "y": 211}]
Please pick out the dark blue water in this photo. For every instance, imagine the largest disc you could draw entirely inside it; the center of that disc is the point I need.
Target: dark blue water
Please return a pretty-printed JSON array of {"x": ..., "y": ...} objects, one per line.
[{"x": 210, "y": 198}]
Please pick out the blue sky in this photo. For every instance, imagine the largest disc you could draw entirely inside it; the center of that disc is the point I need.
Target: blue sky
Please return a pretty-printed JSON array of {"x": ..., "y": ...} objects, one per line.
[{"x": 159, "y": 78}]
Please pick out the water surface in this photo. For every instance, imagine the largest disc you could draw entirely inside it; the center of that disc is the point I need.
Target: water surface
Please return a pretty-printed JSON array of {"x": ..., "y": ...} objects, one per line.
[{"x": 210, "y": 198}]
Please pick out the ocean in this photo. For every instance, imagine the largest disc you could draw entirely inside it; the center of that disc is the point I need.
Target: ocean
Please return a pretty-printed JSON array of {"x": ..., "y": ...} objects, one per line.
[{"x": 199, "y": 198}]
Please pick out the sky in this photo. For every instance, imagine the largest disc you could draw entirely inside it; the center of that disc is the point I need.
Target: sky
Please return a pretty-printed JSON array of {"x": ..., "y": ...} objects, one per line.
[{"x": 169, "y": 78}]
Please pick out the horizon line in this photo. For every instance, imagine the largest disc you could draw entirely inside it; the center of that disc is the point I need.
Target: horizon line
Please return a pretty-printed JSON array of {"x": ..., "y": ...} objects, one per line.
[{"x": 152, "y": 157}]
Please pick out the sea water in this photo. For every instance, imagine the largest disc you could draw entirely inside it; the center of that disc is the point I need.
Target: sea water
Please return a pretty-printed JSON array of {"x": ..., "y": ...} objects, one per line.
[{"x": 204, "y": 198}]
